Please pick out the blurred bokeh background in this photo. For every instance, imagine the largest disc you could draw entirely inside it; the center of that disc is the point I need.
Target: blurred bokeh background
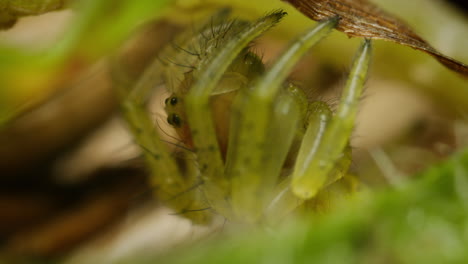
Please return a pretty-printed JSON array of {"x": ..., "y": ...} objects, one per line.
[{"x": 72, "y": 185}]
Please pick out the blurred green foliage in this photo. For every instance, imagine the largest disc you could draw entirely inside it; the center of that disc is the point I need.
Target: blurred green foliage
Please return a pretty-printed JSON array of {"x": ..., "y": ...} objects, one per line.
[
  {"x": 424, "y": 222},
  {"x": 96, "y": 30}
]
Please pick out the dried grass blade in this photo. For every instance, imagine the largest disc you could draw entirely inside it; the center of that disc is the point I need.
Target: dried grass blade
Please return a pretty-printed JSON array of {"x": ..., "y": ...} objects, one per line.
[{"x": 360, "y": 18}]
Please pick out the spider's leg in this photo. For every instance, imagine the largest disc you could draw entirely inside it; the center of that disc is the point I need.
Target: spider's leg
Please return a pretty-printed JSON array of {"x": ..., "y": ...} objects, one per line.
[
  {"x": 208, "y": 74},
  {"x": 284, "y": 201},
  {"x": 171, "y": 185},
  {"x": 181, "y": 51},
  {"x": 325, "y": 142},
  {"x": 261, "y": 146},
  {"x": 340, "y": 168}
]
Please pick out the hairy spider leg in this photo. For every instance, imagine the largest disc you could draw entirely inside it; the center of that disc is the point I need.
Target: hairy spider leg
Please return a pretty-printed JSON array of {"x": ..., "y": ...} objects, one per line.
[
  {"x": 285, "y": 200},
  {"x": 167, "y": 67},
  {"x": 267, "y": 122},
  {"x": 327, "y": 138},
  {"x": 210, "y": 71},
  {"x": 171, "y": 186},
  {"x": 190, "y": 47},
  {"x": 178, "y": 189},
  {"x": 174, "y": 187}
]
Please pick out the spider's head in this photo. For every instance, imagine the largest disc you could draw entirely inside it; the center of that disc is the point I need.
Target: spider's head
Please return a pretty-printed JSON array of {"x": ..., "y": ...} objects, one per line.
[
  {"x": 174, "y": 108},
  {"x": 245, "y": 68}
]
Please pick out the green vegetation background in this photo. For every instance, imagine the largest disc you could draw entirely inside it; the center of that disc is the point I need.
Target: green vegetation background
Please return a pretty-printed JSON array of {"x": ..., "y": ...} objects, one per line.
[{"x": 424, "y": 222}]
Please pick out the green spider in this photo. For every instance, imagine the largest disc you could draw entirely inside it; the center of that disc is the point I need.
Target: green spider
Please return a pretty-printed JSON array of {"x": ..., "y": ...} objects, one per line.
[{"x": 260, "y": 148}]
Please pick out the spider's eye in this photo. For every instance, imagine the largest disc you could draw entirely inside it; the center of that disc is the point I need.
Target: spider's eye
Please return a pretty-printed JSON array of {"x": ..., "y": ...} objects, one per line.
[
  {"x": 174, "y": 120},
  {"x": 166, "y": 101},
  {"x": 174, "y": 100}
]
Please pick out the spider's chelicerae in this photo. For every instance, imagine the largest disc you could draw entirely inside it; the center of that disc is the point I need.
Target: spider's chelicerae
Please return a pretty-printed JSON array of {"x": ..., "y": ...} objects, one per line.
[{"x": 259, "y": 149}]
